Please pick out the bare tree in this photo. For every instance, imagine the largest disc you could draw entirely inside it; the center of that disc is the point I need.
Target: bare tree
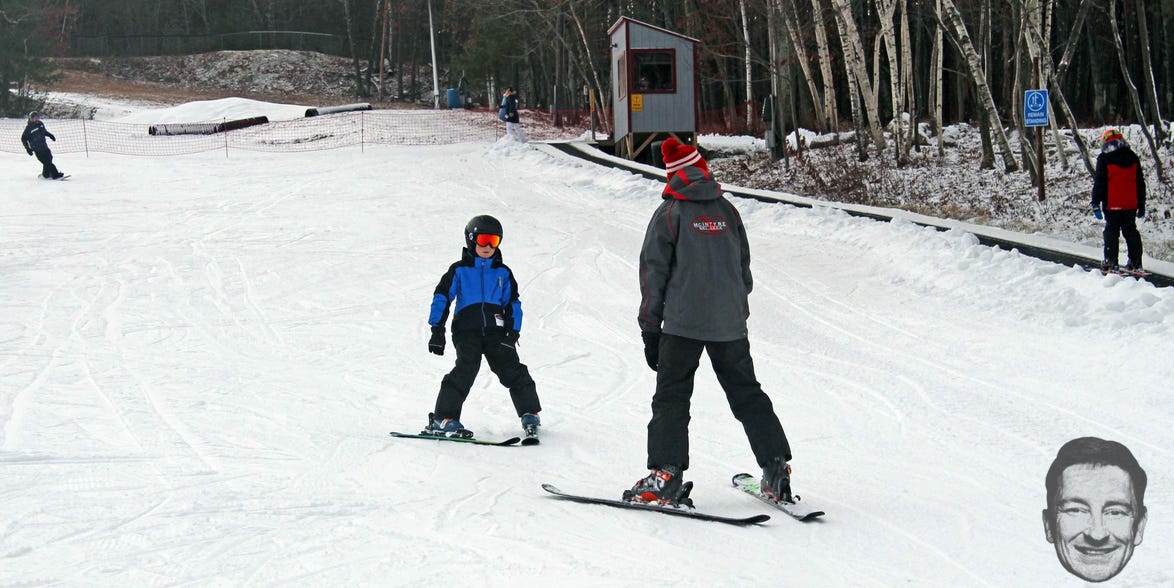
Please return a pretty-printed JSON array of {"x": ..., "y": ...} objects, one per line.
[
  {"x": 1132, "y": 88},
  {"x": 908, "y": 90},
  {"x": 937, "y": 75},
  {"x": 825, "y": 67},
  {"x": 790, "y": 17},
  {"x": 962, "y": 37},
  {"x": 1147, "y": 71},
  {"x": 854, "y": 56},
  {"x": 886, "y": 12},
  {"x": 1056, "y": 83},
  {"x": 747, "y": 62}
]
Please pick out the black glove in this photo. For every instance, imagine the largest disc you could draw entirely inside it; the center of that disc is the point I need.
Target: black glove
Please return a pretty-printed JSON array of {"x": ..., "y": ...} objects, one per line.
[
  {"x": 436, "y": 343},
  {"x": 510, "y": 339},
  {"x": 651, "y": 348},
  {"x": 1141, "y": 212},
  {"x": 30, "y": 151}
]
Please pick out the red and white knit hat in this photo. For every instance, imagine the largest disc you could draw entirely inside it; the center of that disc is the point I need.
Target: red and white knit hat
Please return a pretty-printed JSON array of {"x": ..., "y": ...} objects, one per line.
[{"x": 678, "y": 156}]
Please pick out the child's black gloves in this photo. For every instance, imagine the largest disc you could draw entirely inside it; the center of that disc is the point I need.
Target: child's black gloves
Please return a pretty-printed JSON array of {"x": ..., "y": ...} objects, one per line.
[
  {"x": 651, "y": 348},
  {"x": 436, "y": 343},
  {"x": 511, "y": 338}
]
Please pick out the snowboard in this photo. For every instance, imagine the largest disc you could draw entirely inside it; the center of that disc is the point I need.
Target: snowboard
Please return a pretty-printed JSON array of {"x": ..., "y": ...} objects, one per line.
[
  {"x": 64, "y": 177},
  {"x": 1126, "y": 272},
  {"x": 680, "y": 512},
  {"x": 797, "y": 510},
  {"x": 504, "y": 443}
]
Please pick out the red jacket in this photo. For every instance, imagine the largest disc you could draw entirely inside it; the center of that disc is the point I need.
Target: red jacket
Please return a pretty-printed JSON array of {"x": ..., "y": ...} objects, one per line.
[{"x": 1118, "y": 183}]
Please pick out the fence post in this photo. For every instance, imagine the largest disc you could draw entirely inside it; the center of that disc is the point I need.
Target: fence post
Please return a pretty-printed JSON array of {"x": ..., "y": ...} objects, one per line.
[
  {"x": 222, "y": 121},
  {"x": 85, "y": 138},
  {"x": 362, "y": 133}
]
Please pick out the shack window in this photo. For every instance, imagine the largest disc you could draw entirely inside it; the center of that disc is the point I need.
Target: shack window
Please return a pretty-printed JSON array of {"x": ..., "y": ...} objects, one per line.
[{"x": 653, "y": 71}]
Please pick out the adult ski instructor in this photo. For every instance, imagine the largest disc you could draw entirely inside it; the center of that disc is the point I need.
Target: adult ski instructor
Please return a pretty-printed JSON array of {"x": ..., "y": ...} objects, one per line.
[{"x": 694, "y": 286}]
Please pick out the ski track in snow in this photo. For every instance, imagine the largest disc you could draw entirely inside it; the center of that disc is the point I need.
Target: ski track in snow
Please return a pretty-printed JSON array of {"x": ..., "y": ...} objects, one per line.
[{"x": 200, "y": 362}]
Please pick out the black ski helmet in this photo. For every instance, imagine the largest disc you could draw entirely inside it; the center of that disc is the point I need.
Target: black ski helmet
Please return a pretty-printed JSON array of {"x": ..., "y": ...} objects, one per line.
[
  {"x": 480, "y": 225},
  {"x": 34, "y": 114}
]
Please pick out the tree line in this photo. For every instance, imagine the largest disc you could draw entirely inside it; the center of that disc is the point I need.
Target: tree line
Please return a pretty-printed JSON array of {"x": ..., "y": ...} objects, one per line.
[{"x": 821, "y": 64}]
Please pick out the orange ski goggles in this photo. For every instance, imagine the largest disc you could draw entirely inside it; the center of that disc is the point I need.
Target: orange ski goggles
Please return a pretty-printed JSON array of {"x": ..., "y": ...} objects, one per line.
[{"x": 487, "y": 240}]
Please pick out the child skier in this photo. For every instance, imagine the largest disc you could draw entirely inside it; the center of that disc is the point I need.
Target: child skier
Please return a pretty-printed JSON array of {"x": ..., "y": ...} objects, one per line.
[
  {"x": 33, "y": 140},
  {"x": 694, "y": 283},
  {"x": 487, "y": 321},
  {"x": 1118, "y": 196}
]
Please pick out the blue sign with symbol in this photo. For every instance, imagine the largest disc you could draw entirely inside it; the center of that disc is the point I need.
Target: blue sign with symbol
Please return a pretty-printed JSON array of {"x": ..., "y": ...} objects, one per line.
[{"x": 1035, "y": 108}]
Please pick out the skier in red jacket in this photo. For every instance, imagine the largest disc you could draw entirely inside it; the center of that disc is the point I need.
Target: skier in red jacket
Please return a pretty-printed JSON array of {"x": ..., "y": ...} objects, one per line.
[{"x": 1118, "y": 197}]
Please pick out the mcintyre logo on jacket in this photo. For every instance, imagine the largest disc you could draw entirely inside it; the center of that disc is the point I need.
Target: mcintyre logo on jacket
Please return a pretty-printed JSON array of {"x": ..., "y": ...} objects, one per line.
[{"x": 709, "y": 224}]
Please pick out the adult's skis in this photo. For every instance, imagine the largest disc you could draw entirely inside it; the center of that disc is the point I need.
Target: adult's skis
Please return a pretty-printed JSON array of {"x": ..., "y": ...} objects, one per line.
[
  {"x": 797, "y": 510},
  {"x": 669, "y": 510}
]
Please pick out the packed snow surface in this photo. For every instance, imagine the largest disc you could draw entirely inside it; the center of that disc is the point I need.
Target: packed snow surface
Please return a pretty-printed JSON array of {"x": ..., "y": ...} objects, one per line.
[{"x": 201, "y": 358}]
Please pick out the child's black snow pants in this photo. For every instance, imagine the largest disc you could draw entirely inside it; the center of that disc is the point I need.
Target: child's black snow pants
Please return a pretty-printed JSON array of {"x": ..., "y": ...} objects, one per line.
[{"x": 503, "y": 361}]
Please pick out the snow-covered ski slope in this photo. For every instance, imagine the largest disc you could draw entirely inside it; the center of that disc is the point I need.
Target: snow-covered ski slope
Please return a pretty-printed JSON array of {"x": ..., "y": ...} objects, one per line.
[{"x": 201, "y": 358}]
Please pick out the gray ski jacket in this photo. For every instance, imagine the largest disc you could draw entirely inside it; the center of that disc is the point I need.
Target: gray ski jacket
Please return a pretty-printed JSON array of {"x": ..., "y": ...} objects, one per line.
[{"x": 695, "y": 263}]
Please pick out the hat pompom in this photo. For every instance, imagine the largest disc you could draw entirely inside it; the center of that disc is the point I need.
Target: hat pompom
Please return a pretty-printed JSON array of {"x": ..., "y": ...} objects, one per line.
[{"x": 677, "y": 156}]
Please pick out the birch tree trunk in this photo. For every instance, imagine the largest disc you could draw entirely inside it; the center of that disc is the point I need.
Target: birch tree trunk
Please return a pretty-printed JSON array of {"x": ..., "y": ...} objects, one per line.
[
  {"x": 825, "y": 68},
  {"x": 984, "y": 122},
  {"x": 791, "y": 20},
  {"x": 909, "y": 91},
  {"x": 886, "y": 12},
  {"x": 937, "y": 70},
  {"x": 776, "y": 104},
  {"x": 984, "y": 91},
  {"x": 1147, "y": 72},
  {"x": 854, "y": 57},
  {"x": 747, "y": 60},
  {"x": 1132, "y": 88}
]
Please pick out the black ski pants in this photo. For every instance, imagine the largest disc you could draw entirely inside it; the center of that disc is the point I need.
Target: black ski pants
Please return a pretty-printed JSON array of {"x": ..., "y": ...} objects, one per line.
[
  {"x": 48, "y": 170},
  {"x": 503, "y": 361},
  {"x": 1123, "y": 222},
  {"x": 668, "y": 431}
]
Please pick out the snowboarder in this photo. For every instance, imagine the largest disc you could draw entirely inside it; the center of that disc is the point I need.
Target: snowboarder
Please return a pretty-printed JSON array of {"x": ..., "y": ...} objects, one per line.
[
  {"x": 509, "y": 105},
  {"x": 694, "y": 283},
  {"x": 1118, "y": 197},
  {"x": 487, "y": 322},
  {"x": 34, "y": 143}
]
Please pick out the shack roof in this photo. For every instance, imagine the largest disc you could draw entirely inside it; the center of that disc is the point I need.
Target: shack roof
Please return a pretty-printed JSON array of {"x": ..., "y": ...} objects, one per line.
[{"x": 624, "y": 19}]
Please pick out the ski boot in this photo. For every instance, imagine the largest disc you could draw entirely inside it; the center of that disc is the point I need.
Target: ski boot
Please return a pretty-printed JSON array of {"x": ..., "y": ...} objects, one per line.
[
  {"x": 776, "y": 480},
  {"x": 530, "y": 424},
  {"x": 662, "y": 486},
  {"x": 446, "y": 428}
]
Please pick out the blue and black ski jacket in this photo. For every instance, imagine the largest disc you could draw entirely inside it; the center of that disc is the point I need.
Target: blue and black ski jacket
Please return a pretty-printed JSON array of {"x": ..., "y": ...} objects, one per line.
[{"x": 485, "y": 293}]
